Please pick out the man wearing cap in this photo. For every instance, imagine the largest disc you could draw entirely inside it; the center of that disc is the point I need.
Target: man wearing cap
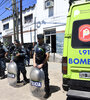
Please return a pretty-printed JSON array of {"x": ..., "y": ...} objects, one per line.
[
  {"x": 19, "y": 54},
  {"x": 40, "y": 58}
]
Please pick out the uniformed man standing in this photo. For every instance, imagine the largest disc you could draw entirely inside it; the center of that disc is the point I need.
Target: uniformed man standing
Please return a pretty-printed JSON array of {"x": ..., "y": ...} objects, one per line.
[
  {"x": 40, "y": 58},
  {"x": 3, "y": 54},
  {"x": 19, "y": 55}
]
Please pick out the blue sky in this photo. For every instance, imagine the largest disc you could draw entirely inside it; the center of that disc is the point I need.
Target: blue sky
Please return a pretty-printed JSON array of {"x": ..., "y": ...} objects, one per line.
[{"x": 7, "y": 4}]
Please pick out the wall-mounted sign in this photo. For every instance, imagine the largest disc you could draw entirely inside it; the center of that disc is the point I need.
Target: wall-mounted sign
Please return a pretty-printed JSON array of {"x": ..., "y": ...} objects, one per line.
[{"x": 84, "y": 33}]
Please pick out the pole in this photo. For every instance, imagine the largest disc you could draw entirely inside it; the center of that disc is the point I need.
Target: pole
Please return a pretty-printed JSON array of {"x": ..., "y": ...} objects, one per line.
[
  {"x": 17, "y": 31},
  {"x": 13, "y": 6},
  {"x": 21, "y": 21},
  {"x": 35, "y": 29},
  {"x": 31, "y": 35}
]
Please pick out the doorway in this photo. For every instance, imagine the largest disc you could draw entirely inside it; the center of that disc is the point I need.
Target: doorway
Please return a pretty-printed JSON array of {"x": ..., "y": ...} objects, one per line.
[{"x": 51, "y": 41}]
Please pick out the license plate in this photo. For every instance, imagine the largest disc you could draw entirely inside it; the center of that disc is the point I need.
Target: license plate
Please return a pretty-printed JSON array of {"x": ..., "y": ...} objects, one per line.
[
  {"x": 37, "y": 84},
  {"x": 84, "y": 75},
  {"x": 11, "y": 75}
]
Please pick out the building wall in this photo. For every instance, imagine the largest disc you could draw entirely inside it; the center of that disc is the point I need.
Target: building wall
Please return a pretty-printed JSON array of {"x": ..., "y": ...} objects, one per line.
[
  {"x": 8, "y": 31},
  {"x": 59, "y": 17},
  {"x": 0, "y": 26},
  {"x": 41, "y": 22},
  {"x": 42, "y": 19},
  {"x": 57, "y": 22}
]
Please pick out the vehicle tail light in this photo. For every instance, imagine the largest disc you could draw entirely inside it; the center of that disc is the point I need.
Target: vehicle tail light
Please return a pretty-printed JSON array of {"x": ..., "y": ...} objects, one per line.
[{"x": 64, "y": 65}]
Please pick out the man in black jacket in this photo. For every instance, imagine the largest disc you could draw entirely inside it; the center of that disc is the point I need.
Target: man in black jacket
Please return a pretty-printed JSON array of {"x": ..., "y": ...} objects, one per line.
[{"x": 19, "y": 55}]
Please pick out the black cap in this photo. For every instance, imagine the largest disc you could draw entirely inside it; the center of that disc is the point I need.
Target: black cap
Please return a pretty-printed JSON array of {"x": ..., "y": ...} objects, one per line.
[
  {"x": 40, "y": 36},
  {"x": 17, "y": 41}
]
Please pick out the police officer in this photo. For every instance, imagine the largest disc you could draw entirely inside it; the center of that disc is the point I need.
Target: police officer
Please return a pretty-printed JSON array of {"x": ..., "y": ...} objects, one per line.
[
  {"x": 40, "y": 58},
  {"x": 27, "y": 58},
  {"x": 19, "y": 55},
  {"x": 3, "y": 54}
]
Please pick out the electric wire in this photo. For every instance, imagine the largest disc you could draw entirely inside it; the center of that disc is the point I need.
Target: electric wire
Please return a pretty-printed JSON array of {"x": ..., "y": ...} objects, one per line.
[
  {"x": 6, "y": 9},
  {"x": 4, "y": 6},
  {"x": 9, "y": 7},
  {"x": 3, "y": 3}
]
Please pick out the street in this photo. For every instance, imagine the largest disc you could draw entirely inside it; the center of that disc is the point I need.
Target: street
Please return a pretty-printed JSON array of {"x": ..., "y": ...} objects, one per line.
[{"x": 8, "y": 92}]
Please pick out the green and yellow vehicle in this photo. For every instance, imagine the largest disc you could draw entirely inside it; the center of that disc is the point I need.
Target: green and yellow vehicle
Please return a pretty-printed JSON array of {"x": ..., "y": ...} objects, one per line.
[{"x": 76, "y": 53}]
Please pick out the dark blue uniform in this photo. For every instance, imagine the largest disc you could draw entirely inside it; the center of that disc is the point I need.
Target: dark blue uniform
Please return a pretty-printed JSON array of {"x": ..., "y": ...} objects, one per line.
[
  {"x": 3, "y": 50},
  {"x": 40, "y": 57},
  {"x": 19, "y": 60}
]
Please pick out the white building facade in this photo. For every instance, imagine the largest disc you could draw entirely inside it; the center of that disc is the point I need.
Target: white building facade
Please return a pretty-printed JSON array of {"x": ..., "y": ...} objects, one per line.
[{"x": 46, "y": 17}]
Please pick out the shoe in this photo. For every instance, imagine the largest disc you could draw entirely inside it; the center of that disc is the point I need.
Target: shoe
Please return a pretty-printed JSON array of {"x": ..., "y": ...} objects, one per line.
[
  {"x": 47, "y": 95},
  {"x": 18, "y": 81},
  {"x": 2, "y": 77},
  {"x": 25, "y": 81}
]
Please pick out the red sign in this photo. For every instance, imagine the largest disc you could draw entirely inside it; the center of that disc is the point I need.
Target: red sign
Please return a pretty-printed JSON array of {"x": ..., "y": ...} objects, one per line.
[{"x": 84, "y": 33}]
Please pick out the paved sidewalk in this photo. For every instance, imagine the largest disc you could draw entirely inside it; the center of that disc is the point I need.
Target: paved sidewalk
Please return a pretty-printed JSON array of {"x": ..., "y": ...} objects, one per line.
[{"x": 8, "y": 92}]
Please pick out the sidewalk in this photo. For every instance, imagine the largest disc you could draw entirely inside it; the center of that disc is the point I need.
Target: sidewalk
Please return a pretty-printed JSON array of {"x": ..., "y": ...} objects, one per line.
[{"x": 23, "y": 93}]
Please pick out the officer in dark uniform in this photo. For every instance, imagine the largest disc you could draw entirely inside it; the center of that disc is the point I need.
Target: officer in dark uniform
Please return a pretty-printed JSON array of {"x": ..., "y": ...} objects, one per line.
[
  {"x": 40, "y": 58},
  {"x": 3, "y": 54},
  {"x": 27, "y": 58},
  {"x": 18, "y": 57}
]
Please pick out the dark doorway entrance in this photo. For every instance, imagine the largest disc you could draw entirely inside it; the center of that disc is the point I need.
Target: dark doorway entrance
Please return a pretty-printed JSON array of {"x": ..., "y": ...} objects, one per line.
[
  {"x": 50, "y": 38},
  {"x": 53, "y": 43}
]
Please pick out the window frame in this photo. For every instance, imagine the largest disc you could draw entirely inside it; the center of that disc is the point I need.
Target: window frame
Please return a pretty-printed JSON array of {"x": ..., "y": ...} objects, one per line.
[
  {"x": 29, "y": 18},
  {"x": 75, "y": 42},
  {"x": 51, "y": 12},
  {"x": 6, "y": 26}
]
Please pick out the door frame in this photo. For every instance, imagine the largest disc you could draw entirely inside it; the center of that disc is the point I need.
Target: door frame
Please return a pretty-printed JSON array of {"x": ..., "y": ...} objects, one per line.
[{"x": 50, "y": 40}]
